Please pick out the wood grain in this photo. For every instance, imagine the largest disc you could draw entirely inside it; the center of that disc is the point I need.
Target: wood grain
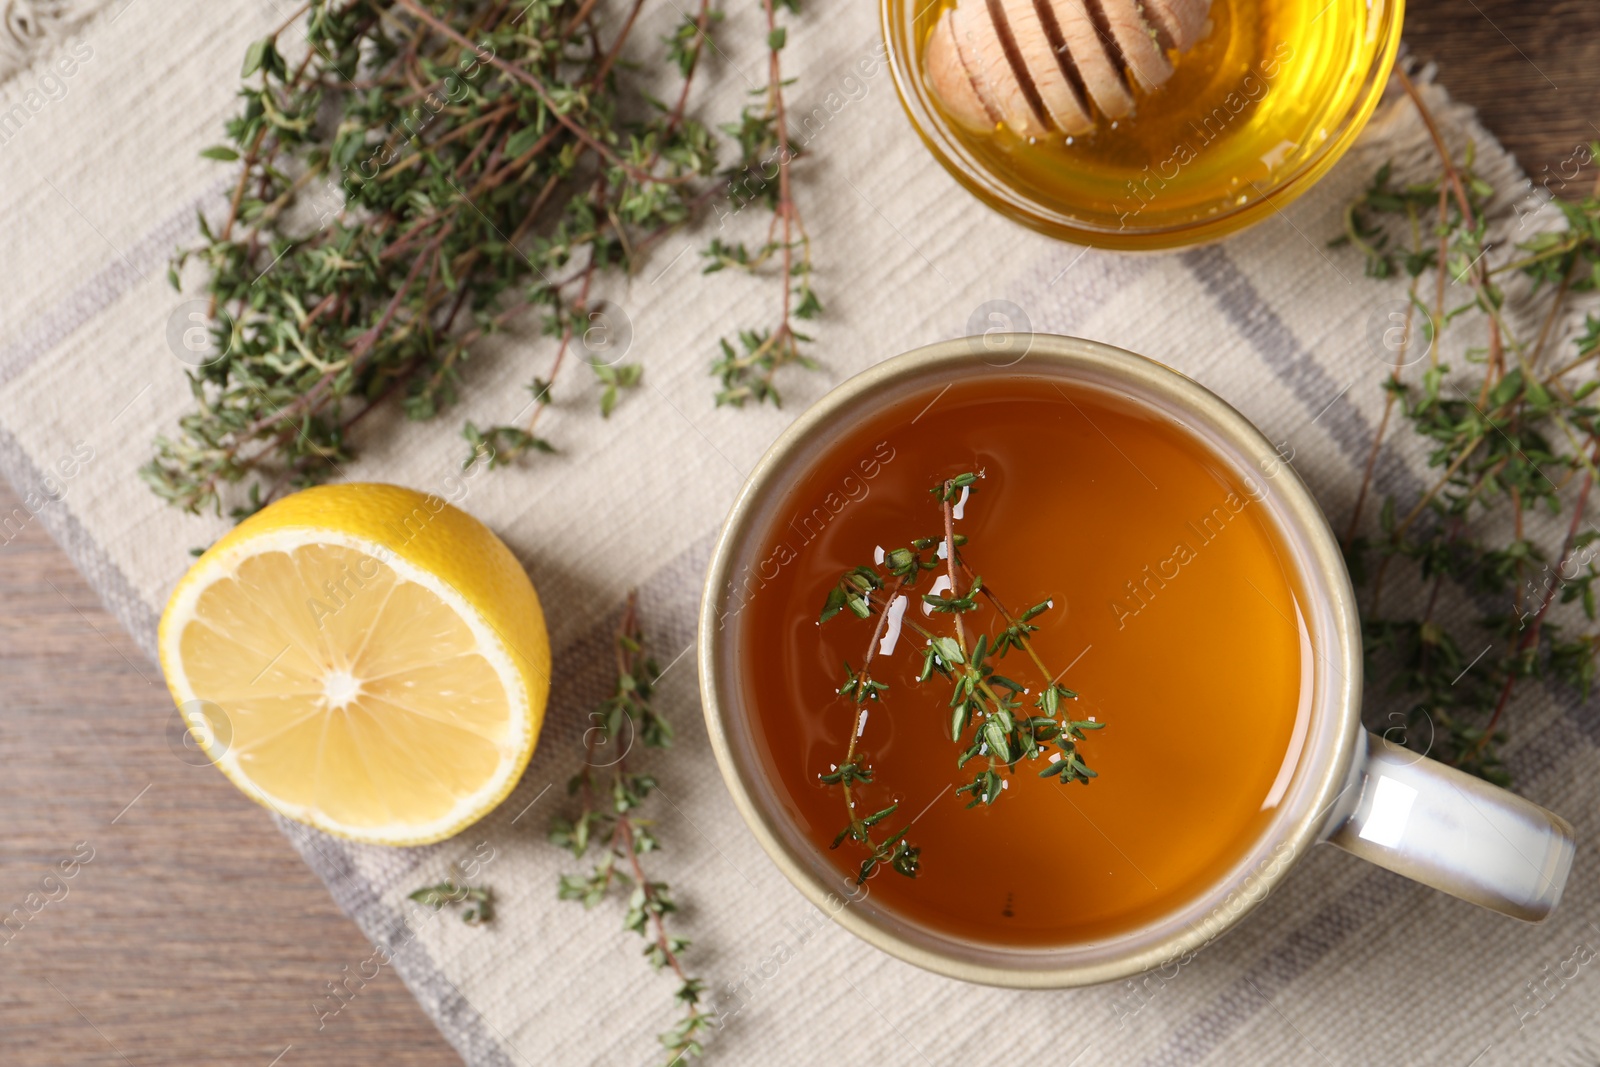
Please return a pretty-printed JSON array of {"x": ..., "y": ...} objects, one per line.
[
  {"x": 195, "y": 934},
  {"x": 1531, "y": 69}
]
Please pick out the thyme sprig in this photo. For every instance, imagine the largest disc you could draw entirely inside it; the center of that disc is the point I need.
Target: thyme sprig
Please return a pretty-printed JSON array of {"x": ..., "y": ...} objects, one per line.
[
  {"x": 746, "y": 370},
  {"x": 609, "y": 823},
  {"x": 1003, "y": 732},
  {"x": 1515, "y": 435},
  {"x": 425, "y": 174}
]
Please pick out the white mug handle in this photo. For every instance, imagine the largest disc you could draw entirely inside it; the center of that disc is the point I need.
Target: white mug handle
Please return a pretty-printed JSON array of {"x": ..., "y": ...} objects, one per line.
[{"x": 1446, "y": 829}]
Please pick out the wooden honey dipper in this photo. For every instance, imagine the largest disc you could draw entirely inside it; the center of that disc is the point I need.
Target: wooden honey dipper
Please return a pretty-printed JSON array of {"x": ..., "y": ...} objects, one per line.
[{"x": 1044, "y": 65}]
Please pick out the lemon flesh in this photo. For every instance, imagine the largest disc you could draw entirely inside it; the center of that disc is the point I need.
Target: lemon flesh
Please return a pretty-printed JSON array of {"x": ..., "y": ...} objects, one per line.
[{"x": 363, "y": 659}]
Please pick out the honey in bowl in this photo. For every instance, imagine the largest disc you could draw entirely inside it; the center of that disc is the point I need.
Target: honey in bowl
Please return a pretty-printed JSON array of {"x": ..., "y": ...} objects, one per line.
[
  {"x": 1262, "y": 102},
  {"x": 1174, "y": 613}
]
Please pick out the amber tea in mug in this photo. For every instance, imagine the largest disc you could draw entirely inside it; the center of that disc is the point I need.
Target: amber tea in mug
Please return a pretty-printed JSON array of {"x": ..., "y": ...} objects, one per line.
[{"x": 1176, "y": 616}]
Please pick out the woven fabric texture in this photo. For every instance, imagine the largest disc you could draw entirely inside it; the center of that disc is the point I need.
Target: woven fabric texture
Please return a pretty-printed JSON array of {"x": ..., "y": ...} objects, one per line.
[{"x": 1344, "y": 964}]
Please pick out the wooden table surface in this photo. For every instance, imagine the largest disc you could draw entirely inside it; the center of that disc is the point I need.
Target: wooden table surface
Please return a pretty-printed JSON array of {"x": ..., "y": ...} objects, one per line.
[{"x": 195, "y": 934}]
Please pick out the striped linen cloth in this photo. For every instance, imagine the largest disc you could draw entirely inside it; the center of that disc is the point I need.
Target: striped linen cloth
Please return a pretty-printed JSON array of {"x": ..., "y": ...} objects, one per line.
[{"x": 1346, "y": 964}]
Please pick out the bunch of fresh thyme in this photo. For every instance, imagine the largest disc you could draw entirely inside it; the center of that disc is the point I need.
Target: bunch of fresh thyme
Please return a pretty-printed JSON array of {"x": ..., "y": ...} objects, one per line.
[
  {"x": 1003, "y": 733},
  {"x": 608, "y": 822},
  {"x": 465, "y": 162},
  {"x": 1515, "y": 437}
]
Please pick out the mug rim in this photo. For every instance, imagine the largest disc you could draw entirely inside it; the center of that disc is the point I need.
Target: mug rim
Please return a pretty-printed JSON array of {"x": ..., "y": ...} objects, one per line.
[{"x": 1323, "y": 573}]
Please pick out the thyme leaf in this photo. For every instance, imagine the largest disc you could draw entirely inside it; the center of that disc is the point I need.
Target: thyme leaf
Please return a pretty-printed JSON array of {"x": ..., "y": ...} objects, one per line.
[{"x": 478, "y": 900}]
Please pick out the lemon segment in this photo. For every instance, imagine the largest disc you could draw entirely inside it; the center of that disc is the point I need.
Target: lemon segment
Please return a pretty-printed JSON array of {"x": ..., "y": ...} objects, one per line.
[{"x": 364, "y": 659}]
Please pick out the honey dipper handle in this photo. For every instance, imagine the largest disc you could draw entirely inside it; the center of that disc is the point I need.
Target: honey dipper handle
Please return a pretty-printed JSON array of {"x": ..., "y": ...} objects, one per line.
[{"x": 1446, "y": 829}]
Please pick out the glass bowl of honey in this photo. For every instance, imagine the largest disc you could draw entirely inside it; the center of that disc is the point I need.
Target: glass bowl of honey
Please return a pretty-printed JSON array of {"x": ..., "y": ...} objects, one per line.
[{"x": 1128, "y": 129}]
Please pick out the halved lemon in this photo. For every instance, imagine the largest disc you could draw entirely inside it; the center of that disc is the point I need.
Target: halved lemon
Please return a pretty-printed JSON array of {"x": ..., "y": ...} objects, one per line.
[{"x": 365, "y": 659}]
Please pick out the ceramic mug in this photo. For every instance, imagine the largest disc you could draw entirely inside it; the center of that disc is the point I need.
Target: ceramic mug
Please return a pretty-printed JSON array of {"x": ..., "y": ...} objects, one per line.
[{"x": 1384, "y": 803}]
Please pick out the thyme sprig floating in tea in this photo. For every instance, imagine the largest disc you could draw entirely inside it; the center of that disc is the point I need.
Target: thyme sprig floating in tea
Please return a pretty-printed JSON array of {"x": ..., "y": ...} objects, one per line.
[
  {"x": 988, "y": 720},
  {"x": 609, "y": 823},
  {"x": 1515, "y": 435},
  {"x": 466, "y": 163},
  {"x": 477, "y": 901}
]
